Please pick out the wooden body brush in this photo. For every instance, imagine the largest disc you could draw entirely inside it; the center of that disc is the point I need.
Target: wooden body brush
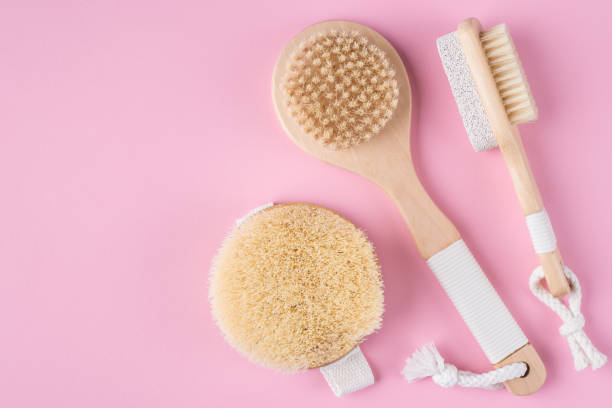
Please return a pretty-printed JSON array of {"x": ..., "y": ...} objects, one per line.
[
  {"x": 343, "y": 95},
  {"x": 297, "y": 286},
  {"x": 493, "y": 96}
]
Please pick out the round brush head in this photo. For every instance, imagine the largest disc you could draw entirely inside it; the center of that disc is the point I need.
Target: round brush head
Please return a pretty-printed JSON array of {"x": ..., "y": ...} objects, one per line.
[
  {"x": 340, "y": 88},
  {"x": 296, "y": 286}
]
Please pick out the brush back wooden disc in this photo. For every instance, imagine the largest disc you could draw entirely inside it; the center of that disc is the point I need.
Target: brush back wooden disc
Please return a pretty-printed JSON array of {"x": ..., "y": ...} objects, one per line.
[{"x": 385, "y": 159}]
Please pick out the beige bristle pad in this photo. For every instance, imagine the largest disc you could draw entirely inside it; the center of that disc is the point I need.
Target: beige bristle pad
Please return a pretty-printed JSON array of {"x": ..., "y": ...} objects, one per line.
[
  {"x": 340, "y": 88},
  {"x": 296, "y": 286}
]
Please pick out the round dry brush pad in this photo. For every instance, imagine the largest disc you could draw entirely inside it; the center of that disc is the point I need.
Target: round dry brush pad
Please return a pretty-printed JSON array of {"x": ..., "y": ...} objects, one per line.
[{"x": 297, "y": 286}]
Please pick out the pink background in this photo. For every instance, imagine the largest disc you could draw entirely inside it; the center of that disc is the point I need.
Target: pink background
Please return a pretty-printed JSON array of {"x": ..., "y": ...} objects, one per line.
[{"x": 132, "y": 135}]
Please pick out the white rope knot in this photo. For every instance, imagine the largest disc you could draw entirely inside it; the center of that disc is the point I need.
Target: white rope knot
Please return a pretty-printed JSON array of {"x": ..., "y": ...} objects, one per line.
[
  {"x": 572, "y": 325},
  {"x": 447, "y": 377},
  {"x": 427, "y": 362},
  {"x": 584, "y": 352}
]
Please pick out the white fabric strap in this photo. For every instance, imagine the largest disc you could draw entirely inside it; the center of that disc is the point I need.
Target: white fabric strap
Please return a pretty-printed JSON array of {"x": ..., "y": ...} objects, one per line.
[
  {"x": 253, "y": 211},
  {"x": 351, "y": 373},
  {"x": 584, "y": 352},
  {"x": 477, "y": 301},
  {"x": 427, "y": 362},
  {"x": 541, "y": 232}
]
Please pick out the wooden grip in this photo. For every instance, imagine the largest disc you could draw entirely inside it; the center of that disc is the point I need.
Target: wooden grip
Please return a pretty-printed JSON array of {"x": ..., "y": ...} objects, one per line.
[
  {"x": 529, "y": 197},
  {"x": 536, "y": 372},
  {"x": 552, "y": 264}
]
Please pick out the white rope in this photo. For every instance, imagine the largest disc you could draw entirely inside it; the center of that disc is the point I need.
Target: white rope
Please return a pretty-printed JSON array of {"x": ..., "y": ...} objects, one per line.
[
  {"x": 584, "y": 352},
  {"x": 427, "y": 362},
  {"x": 477, "y": 302},
  {"x": 541, "y": 232},
  {"x": 351, "y": 373},
  {"x": 544, "y": 240}
]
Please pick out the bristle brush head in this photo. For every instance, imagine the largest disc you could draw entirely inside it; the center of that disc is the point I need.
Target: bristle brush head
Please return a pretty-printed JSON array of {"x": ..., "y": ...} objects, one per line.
[
  {"x": 487, "y": 81},
  {"x": 340, "y": 88},
  {"x": 296, "y": 286},
  {"x": 508, "y": 74}
]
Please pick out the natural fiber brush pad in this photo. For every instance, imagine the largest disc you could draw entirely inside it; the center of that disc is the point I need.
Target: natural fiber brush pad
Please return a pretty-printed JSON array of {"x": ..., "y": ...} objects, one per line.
[
  {"x": 296, "y": 286},
  {"x": 340, "y": 88}
]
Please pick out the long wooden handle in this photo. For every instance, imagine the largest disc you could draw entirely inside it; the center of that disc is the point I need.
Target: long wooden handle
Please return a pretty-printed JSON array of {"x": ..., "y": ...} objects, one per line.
[
  {"x": 529, "y": 197},
  {"x": 431, "y": 229},
  {"x": 434, "y": 234}
]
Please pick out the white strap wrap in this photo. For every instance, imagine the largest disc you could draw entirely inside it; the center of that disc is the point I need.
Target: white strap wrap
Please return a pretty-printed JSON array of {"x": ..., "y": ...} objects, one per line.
[
  {"x": 541, "y": 232},
  {"x": 477, "y": 302},
  {"x": 351, "y": 373},
  {"x": 585, "y": 354},
  {"x": 427, "y": 362},
  {"x": 253, "y": 211}
]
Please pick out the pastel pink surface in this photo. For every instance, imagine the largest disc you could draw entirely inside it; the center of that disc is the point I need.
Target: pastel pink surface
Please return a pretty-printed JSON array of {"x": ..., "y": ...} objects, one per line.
[{"x": 132, "y": 135}]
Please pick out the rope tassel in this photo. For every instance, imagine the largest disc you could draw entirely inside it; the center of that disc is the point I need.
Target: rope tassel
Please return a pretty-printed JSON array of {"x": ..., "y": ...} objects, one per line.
[
  {"x": 427, "y": 362},
  {"x": 584, "y": 352}
]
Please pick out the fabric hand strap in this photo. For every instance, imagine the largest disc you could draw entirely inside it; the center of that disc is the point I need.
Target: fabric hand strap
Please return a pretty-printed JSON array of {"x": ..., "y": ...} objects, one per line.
[{"x": 351, "y": 373}]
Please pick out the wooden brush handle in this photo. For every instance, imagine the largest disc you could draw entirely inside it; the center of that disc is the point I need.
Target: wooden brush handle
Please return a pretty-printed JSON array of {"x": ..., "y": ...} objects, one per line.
[
  {"x": 530, "y": 200},
  {"x": 440, "y": 244},
  {"x": 536, "y": 374},
  {"x": 552, "y": 264},
  {"x": 431, "y": 229}
]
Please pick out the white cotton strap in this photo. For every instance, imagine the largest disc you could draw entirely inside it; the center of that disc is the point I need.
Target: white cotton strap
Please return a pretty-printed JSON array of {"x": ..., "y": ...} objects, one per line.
[
  {"x": 584, "y": 352},
  {"x": 427, "y": 362},
  {"x": 477, "y": 302},
  {"x": 351, "y": 373},
  {"x": 253, "y": 211},
  {"x": 541, "y": 232}
]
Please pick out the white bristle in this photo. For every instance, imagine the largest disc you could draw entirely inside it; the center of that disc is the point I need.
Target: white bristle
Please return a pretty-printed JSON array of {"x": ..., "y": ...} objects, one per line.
[{"x": 508, "y": 74}]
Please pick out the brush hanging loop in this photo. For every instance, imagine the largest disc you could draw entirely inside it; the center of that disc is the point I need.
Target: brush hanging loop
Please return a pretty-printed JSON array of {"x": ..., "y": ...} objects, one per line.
[
  {"x": 584, "y": 352},
  {"x": 427, "y": 362}
]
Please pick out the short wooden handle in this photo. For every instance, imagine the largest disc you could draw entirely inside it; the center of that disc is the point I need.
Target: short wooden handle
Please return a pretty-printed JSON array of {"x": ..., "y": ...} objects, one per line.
[
  {"x": 552, "y": 265},
  {"x": 509, "y": 142},
  {"x": 527, "y": 191}
]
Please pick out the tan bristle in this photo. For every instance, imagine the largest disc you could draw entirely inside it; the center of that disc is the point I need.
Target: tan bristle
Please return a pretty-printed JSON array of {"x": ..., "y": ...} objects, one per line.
[
  {"x": 340, "y": 88},
  {"x": 508, "y": 74},
  {"x": 296, "y": 286}
]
